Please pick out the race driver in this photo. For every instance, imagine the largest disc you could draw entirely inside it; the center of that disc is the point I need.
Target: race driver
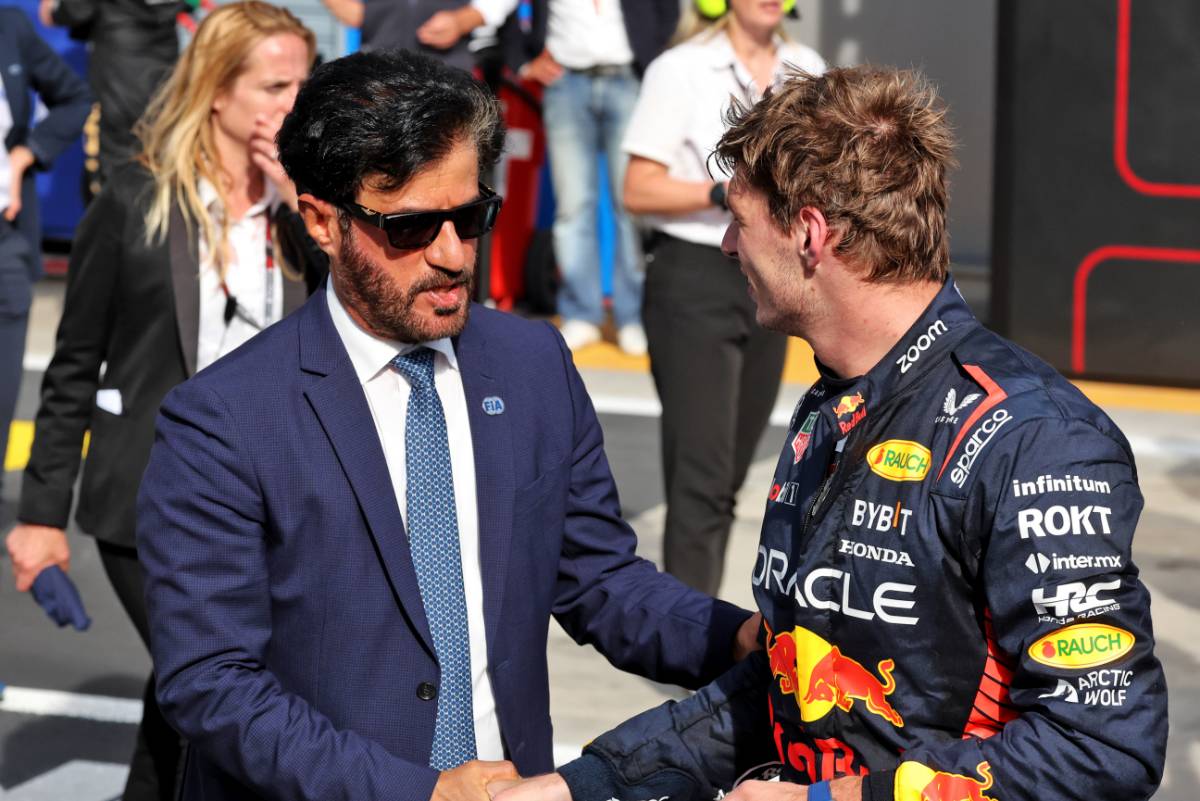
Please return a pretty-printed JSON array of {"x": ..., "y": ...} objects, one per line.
[{"x": 950, "y": 608}]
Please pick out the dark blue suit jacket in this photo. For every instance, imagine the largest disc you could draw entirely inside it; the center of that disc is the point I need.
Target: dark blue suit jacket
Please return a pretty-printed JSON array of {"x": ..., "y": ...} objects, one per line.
[
  {"x": 29, "y": 64},
  {"x": 288, "y": 632}
]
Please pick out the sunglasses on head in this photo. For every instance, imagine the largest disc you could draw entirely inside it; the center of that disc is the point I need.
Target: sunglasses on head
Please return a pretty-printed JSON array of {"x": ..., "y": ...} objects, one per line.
[{"x": 413, "y": 230}]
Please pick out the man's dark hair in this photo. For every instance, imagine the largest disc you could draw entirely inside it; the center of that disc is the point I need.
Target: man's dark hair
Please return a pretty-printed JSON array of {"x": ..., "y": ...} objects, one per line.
[{"x": 387, "y": 115}]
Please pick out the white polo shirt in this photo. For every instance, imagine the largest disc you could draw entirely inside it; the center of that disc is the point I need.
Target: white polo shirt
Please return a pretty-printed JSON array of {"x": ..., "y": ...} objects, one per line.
[
  {"x": 680, "y": 116},
  {"x": 587, "y": 33}
]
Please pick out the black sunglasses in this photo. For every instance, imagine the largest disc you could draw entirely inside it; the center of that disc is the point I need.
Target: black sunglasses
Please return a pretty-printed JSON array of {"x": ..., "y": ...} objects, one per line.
[{"x": 414, "y": 230}]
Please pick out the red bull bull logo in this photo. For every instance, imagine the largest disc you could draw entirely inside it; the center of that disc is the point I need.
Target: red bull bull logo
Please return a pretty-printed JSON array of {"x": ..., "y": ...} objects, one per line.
[
  {"x": 821, "y": 677},
  {"x": 848, "y": 404},
  {"x": 917, "y": 782}
]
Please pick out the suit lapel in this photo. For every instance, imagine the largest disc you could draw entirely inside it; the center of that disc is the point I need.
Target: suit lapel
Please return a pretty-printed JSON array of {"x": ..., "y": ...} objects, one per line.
[
  {"x": 185, "y": 282},
  {"x": 341, "y": 406},
  {"x": 491, "y": 435}
]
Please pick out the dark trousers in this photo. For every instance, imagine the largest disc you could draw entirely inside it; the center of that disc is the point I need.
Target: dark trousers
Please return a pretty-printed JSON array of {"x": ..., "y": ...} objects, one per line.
[
  {"x": 154, "y": 768},
  {"x": 717, "y": 373},
  {"x": 16, "y": 292}
]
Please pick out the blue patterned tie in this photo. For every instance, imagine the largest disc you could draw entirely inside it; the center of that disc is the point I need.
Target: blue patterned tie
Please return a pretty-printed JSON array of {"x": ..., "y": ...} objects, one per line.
[{"x": 433, "y": 537}]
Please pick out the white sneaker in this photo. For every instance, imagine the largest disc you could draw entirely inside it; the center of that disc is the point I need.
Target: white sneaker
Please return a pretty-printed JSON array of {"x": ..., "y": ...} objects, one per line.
[
  {"x": 632, "y": 339},
  {"x": 579, "y": 333}
]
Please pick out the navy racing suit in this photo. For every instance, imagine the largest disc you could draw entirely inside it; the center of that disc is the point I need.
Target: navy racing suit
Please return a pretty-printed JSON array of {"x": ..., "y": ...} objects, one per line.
[{"x": 950, "y": 608}]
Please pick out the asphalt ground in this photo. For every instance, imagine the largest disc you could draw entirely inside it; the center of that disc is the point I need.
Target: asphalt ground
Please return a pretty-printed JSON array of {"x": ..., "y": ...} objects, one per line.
[{"x": 66, "y": 721}]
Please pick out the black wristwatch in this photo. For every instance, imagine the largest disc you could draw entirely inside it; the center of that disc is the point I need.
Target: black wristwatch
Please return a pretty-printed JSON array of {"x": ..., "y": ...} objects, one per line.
[{"x": 716, "y": 195}]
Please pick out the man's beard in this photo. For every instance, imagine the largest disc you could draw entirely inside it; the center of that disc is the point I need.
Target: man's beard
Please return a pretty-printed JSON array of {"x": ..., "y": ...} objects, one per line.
[{"x": 387, "y": 309}]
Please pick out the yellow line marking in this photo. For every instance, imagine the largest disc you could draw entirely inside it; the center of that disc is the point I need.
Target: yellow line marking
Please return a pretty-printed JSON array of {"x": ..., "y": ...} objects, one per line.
[{"x": 20, "y": 443}]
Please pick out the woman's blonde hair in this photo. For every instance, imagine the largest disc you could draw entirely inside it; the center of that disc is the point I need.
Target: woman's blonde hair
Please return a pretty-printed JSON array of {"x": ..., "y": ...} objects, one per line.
[
  {"x": 177, "y": 140},
  {"x": 693, "y": 24}
]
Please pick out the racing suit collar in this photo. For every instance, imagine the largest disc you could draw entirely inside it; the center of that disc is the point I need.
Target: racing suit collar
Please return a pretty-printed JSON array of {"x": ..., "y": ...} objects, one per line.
[{"x": 945, "y": 321}]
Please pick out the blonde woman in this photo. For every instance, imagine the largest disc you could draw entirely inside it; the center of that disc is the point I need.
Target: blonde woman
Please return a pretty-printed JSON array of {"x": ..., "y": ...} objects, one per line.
[
  {"x": 717, "y": 372},
  {"x": 185, "y": 255}
]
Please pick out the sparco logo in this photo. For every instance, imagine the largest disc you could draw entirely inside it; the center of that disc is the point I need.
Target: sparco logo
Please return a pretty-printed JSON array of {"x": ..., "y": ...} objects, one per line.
[
  {"x": 982, "y": 436},
  {"x": 910, "y": 356}
]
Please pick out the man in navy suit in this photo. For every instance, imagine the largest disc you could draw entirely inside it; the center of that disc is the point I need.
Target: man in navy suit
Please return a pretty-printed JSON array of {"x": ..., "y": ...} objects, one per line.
[
  {"x": 356, "y": 528},
  {"x": 26, "y": 63}
]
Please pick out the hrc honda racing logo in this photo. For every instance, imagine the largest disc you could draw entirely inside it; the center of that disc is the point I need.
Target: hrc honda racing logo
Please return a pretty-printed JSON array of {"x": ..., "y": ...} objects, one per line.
[{"x": 976, "y": 443}]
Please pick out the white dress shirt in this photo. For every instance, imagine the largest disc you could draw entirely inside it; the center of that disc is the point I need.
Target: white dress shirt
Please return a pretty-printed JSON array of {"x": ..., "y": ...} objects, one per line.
[
  {"x": 6, "y": 121},
  {"x": 680, "y": 116},
  {"x": 387, "y": 392},
  {"x": 247, "y": 277},
  {"x": 587, "y": 33},
  {"x": 494, "y": 12}
]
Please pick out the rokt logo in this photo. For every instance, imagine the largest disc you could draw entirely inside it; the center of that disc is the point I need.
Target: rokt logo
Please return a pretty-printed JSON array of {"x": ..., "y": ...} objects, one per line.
[
  {"x": 821, "y": 677},
  {"x": 910, "y": 356},
  {"x": 1058, "y": 521},
  {"x": 899, "y": 460},
  {"x": 1084, "y": 645}
]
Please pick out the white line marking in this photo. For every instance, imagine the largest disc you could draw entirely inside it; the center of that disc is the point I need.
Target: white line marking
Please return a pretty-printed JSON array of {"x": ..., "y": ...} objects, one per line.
[
  {"x": 565, "y": 753},
  {"x": 36, "y": 362},
  {"x": 650, "y": 407},
  {"x": 31, "y": 701},
  {"x": 78, "y": 780},
  {"x": 1161, "y": 446}
]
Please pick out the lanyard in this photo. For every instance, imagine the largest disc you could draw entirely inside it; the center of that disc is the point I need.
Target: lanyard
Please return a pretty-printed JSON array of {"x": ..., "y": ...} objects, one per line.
[{"x": 235, "y": 309}]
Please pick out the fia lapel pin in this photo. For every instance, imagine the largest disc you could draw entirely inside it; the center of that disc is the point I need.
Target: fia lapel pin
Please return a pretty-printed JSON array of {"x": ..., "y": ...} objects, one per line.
[{"x": 493, "y": 405}]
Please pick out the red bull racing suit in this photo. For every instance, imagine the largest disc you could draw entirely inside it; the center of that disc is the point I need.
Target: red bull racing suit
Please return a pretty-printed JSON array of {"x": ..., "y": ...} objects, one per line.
[{"x": 950, "y": 608}]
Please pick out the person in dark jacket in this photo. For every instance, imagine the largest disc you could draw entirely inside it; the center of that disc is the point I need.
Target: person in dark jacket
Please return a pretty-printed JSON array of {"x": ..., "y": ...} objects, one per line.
[
  {"x": 182, "y": 257},
  {"x": 26, "y": 63},
  {"x": 132, "y": 46},
  {"x": 950, "y": 606}
]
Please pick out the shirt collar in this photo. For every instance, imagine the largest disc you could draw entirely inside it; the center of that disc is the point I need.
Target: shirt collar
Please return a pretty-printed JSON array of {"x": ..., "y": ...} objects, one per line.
[
  {"x": 212, "y": 201},
  {"x": 371, "y": 354}
]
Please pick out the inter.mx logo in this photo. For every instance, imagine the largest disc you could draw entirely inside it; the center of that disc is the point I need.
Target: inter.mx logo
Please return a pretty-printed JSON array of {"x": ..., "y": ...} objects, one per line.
[
  {"x": 1040, "y": 563},
  {"x": 1076, "y": 599}
]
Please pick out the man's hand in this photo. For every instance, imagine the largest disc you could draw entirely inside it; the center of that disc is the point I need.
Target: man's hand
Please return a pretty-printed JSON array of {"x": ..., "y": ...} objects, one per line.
[
  {"x": 265, "y": 156},
  {"x": 20, "y": 159},
  {"x": 469, "y": 781},
  {"x": 746, "y": 642},
  {"x": 549, "y": 787},
  {"x": 848, "y": 788},
  {"x": 445, "y": 28},
  {"x": 543, "y": 69},
  {"x": 34, "y": 548}
]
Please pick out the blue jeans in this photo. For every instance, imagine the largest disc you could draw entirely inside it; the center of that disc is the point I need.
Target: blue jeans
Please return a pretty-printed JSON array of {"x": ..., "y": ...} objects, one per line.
[{"x": 586, "y": 115}]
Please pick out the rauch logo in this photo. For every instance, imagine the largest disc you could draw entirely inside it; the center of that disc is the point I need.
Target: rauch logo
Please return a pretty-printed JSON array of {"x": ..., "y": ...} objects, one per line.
[
  {"x": 899, "y": 460},
  {"x": 1083, "y": 645}
]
